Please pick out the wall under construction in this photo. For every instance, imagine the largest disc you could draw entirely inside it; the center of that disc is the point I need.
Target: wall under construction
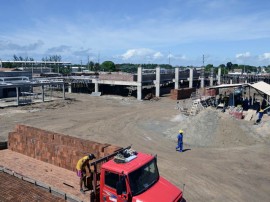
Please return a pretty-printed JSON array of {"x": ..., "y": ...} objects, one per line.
[
  {"x": 183, "y": 93},
  {"x": 58, "y": 149}
]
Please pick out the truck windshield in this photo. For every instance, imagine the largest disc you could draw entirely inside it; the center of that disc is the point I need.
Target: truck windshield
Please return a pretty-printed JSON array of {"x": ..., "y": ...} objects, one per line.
[{"x": 143, "y": 178}]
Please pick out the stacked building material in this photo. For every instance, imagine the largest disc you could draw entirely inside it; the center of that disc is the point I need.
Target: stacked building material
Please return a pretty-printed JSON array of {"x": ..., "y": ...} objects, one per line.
[
  {"x": 58, "y": 149},
  {"x": 117, "y": 77},
  {"x": 14, "y": 189},
  {"x": 236, "y": 112},
  {"x": 210, "y": 92},
  {"x": 183, "y": 93}
]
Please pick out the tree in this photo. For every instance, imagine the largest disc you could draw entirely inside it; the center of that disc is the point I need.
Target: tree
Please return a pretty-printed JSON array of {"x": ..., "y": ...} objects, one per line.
[
  {"x": 91, "y": 65},
  {"x": 15, "y": 58},
  {"x": 229, "y": 66},
  {"x": 108, "y": 66},
  {"x": 96, "y": 67},
  {"x": 208, "y": 68},
  {"x": 52, "y": 58}
]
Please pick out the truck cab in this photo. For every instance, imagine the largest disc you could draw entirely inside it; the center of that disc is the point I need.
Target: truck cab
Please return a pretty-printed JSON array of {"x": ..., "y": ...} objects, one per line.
[{"x": 135, "y": 179}]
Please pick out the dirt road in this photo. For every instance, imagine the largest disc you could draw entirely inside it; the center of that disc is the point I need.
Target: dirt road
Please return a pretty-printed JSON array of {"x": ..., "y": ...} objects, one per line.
[{"x": 226, "y": 161}]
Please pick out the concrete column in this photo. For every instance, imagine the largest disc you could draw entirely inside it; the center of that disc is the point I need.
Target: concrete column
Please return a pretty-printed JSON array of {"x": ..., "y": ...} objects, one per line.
[
  {"x": 231, "y": 81},
  {"x": 139, "y": 83},
  {"x": 246, "y": 81},
  {"x": 96, "y": 85},
  {"x": 219, "y": 76},
  {"x": 157, "y": 82},
  {"x": 211, "y": 81},
  {"x": 202, "y": 82},
  {"x": 190, "y": 77},
  {"x": 43, "y": 95},
  {"x": 69, "y": 87},
  {"x": 212, "y": 76},
  {"x": 176, "y": 79},
  {"x": 64, "y": 92},
  {"x": 17, "y": 93}
]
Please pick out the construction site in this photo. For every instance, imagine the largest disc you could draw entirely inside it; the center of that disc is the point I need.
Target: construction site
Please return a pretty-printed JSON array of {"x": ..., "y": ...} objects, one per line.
[{"x": 226, "y": 149}]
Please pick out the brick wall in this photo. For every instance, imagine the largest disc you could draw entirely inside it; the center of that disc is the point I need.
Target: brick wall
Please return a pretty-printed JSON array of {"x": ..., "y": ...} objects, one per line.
[
  {"x": 58, "y": 149},
  {"x": 208, "y": 92},
  {"x": 183, "y": 93},
  {"x": 117, "y": 77}
]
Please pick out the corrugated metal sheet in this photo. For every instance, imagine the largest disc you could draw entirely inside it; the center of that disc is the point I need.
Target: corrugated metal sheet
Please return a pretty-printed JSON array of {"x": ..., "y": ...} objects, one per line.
[
  {"x": 261, "y": 86},
  {"x": 228, "y": 85}
]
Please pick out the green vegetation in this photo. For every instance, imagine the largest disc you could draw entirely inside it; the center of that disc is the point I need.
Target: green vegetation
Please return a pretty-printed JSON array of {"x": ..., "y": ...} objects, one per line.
[{"x": 110, "y": 66}]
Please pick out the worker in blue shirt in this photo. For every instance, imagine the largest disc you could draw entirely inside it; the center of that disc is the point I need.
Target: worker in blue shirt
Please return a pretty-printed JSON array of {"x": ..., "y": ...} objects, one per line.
[{"x": 180, "y": 141}]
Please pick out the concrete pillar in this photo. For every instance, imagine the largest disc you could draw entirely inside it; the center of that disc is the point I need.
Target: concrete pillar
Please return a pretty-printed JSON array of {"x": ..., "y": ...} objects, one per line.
[
  {"x": 211, "y": 81},
  {"x": 96, "y": 85},
  {"x": 231, "y": 81},
  {"x": 139, "y": 83},
  {"x": 219, "y": 76},
  {"x": 190, "y": 77},
  {"x": 246, "y": 81},
  {"x": 64, "y": 92},
  {"x": 43, "y": 95},
  {"x": 212, "y": 77},
  {"x": 17, "y": 93},
  {"x": 69, "y": 87},
  {"x": 202, "y": 82},
  {"x": 176, "y": 79},
  {"x": 157, "y": 82}
]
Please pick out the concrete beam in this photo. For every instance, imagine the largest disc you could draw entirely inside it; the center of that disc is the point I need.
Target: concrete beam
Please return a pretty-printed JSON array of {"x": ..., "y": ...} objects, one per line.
[{"x": 113, "y": 82}]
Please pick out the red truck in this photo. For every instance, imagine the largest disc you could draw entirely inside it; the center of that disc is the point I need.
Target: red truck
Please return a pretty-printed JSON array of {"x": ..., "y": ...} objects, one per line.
[{"x": 130, "y": 176}]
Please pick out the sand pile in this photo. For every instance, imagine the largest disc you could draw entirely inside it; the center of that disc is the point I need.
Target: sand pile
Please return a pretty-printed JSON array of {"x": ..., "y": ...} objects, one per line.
[{"x": 212, "y": 128}]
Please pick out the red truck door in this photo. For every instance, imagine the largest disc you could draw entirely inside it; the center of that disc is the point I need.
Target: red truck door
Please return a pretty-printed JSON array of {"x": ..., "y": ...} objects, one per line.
[{"x": 109, "y": 193}]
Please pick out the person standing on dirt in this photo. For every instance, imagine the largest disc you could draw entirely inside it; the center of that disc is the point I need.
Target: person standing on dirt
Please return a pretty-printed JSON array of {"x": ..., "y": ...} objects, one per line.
[
  {"x": 80, "y": 167},
  {"x": 260, "y": 115},
  {"x": 180, "y": 141}
]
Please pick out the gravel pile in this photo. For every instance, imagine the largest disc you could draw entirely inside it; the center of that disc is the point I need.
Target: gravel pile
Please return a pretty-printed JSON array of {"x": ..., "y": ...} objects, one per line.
[{"x": 212, "y": 128}]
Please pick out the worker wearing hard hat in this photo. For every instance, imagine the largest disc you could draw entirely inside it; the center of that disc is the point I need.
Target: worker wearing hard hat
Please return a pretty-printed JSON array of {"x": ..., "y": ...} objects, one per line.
[
  {"x": 179, "y": 146},
  {"x": 260, "y": 115}
]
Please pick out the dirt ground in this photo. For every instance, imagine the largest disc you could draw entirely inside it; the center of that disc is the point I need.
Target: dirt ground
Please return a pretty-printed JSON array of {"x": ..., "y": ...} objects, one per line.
[{"x": 225, "y": 159}]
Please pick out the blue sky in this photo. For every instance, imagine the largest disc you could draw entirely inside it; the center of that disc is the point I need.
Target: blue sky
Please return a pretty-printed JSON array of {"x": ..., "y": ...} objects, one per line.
[{"x": 141, "y": 31}]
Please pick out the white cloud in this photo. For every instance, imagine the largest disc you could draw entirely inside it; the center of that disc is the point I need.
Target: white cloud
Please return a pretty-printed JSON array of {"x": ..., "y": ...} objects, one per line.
[
  {"x": 265, "y": 56},
  {"x": 9, "y": 45},
  {"x": 59, "y": 49},
  {"x": 157, "y": 55},
  {"x": 177, "y": 57},
  {"x": 141, "y": 53},
  {"x": 243, "y": 55}
]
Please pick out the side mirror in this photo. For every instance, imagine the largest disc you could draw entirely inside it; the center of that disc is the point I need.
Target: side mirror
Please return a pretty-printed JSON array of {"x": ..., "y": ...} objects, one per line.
[{"x": 119, "y": 187}]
